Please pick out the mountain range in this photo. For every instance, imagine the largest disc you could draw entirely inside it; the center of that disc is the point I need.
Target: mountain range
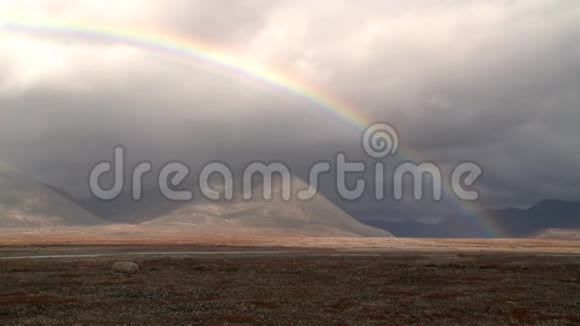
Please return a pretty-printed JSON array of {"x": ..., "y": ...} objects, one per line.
[
  {"x": 25, "y": 203},
  {"x": 504, "y": 223}
]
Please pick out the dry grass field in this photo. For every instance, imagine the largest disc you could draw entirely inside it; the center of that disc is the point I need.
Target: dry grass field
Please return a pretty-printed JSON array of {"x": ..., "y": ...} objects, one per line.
[{"x": 123, "y": 235}]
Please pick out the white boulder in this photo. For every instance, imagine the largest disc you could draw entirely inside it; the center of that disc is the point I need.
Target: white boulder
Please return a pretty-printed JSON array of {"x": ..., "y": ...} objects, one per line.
[{"x": 124, "y": 267}]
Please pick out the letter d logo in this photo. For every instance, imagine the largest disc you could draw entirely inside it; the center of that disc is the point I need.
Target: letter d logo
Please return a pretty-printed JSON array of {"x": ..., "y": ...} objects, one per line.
[{"x": 118, "y": 174}]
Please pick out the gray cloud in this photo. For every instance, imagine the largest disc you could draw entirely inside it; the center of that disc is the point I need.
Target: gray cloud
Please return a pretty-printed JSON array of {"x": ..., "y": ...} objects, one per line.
[{"x": 490, "y": 81}]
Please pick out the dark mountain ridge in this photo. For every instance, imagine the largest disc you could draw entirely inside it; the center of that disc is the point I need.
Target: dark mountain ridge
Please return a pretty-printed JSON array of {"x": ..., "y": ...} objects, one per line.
[{"x": 505, "y": 223}]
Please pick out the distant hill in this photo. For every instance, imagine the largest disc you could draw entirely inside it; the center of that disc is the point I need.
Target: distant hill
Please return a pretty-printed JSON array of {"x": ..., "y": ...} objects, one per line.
[
  {"x": 26, "y": 203},
  {"x": 547, "y": 214},
  {"x": 511, "y": 222},
  {"x": 315, "y": 217},
  {"x": 560, "y": 234}
]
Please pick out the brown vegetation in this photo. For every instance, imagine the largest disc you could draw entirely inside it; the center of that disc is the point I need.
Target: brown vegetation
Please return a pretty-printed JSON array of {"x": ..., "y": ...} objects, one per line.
[{"x": 315, "y": 287}]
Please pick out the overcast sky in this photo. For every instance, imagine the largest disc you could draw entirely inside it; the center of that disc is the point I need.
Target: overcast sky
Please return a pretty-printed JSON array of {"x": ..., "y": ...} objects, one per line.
[{"x": 496, "y": 82}]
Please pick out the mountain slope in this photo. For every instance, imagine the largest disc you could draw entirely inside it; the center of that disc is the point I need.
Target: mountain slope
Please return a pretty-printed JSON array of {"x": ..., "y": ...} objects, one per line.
[
  {"x": 26, "y": 203},
  {"x": 315, "y": 217}
]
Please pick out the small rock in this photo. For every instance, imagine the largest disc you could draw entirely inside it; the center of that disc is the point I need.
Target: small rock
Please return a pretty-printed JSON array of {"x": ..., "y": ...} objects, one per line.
[{"x": 124, "y": 267}]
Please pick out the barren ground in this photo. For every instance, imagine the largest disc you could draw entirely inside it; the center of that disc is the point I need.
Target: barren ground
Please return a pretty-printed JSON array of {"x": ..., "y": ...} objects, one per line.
[
  {"x": 107, "y": 237},
  {"x": 305, "y": 286}
]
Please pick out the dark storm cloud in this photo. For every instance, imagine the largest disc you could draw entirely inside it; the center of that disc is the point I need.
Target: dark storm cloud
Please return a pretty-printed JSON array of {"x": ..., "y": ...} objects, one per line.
[{"x": 490, "y": 81}]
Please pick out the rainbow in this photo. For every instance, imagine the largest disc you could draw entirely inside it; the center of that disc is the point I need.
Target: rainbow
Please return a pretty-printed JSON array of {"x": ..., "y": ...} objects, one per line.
[{"x": 164, "y": 42}]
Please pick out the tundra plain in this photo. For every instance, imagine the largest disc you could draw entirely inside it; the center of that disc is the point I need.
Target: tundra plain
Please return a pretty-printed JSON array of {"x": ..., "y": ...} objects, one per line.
[{"x": 292, "y": 281}]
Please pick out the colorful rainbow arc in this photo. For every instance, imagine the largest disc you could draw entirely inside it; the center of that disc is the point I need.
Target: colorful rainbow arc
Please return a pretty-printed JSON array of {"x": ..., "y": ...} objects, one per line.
[{"x": 175, "y": 45}]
